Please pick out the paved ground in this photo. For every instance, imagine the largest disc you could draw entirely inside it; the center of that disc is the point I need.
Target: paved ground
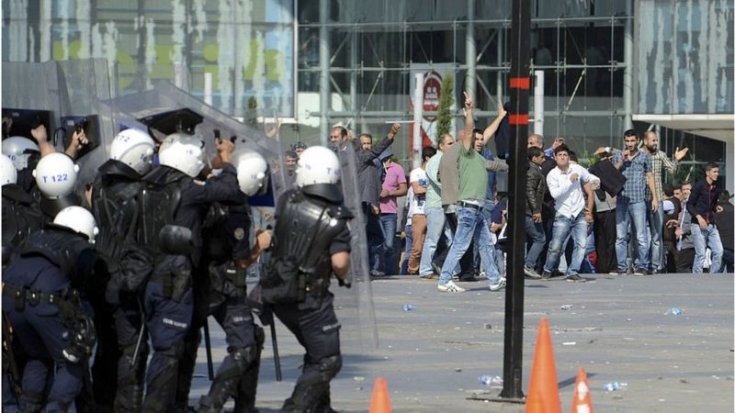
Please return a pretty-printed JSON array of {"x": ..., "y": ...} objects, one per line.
[{"x": 616, "y": 329}]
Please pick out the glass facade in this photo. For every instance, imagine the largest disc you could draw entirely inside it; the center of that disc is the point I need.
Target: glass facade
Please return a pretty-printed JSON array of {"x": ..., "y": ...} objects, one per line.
[
  {"x": 685, "y": 56},
  {"x": 601, "y": 65}
]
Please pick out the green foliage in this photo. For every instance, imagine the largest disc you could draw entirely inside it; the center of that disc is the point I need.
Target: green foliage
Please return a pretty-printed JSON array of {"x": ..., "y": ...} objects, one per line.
[{"x": 444, "y": 117}]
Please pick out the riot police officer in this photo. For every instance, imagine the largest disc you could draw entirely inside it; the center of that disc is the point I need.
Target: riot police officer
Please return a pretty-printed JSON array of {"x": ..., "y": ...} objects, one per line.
[
  {"x": 56, "y": 176},
  {"x": 170, "y": 196},
  {"x": 122, "y": 353},
  {"x": 42, "y": 296},
  {"x": 230, "y": 254},
  {"x": 311, "y": 241}
]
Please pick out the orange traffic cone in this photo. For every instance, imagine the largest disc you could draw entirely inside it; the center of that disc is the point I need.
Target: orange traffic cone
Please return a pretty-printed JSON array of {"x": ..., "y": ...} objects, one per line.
[
  {"x": 581, "y": 402},
  {"x": 543, "y": 390},
  {"x": 380, "y": 401}
]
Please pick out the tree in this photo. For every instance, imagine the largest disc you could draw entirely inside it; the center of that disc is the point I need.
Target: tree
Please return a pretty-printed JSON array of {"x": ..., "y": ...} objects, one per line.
[{"x": 446, "y": 100}]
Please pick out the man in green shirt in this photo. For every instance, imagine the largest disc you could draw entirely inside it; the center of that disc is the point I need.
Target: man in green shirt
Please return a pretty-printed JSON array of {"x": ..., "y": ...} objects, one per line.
[{"x": 471, "y": 222}]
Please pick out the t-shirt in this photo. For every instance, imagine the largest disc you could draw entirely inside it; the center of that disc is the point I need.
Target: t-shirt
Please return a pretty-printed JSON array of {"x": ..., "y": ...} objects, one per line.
[
  {"x": 394, "y": 177},
  {"x": 419, "y": 201},
  {"x": 472, "y": 175},
  {"x": 433, "y": 193}
]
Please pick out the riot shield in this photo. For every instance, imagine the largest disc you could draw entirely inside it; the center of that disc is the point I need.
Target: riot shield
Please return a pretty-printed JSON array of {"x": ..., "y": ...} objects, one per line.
[
  {"x": 166, "y": 109},
  {"x": 359, "y": 298}
]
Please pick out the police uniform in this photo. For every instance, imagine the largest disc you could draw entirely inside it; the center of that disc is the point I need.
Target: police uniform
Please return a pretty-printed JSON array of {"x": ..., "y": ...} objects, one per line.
[
  {"x": 172, "y": 197},
  {"x": 118, "y": 371},
  {"x": 311, "y": 226},
  {"x": 227, "y": 245},
  {"x": 41, "y": 296}
]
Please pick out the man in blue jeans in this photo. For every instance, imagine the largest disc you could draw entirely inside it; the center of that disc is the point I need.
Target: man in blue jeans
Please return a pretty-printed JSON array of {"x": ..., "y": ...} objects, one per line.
[
  {"x": 535, "y": 189},
  {"x": 637, "y": 168},
  {"x": 702, "y": 206},
  {"x": 471, "y": 222},
  {"x": 568, "y": 183},
  {"x": 394, "y": 185}
]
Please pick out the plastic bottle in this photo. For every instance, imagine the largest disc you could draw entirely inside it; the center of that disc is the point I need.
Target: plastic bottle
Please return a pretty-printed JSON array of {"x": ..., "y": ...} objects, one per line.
[
  {"x": 674, "y": 311},
  {"x": 488, "y": 380},
  {"x": 613, "y": 386},
  {"x": 407, "y": 307}
]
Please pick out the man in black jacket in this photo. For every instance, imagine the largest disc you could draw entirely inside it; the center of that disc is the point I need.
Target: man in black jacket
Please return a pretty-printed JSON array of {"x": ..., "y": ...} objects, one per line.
[
  {"x": 701, "y": 206},
  {"x": 724, "y": 218},
  {"x": 535, "y": 189}
]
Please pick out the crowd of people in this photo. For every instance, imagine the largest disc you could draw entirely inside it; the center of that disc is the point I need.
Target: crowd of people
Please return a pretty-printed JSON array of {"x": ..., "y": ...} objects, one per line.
[{"x": 162, "y": 238}]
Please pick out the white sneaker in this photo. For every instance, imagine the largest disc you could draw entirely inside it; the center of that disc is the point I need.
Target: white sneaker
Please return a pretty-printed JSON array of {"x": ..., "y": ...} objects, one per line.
[
  {"x": 450, "y": 287},
  {"x": 500, "y": 285}
]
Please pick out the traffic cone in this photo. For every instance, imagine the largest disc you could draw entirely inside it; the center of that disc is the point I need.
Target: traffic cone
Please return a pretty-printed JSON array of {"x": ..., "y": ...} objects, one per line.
[
  {"x": 581, "y": 402},
  {"x": 543, "y": 390},
  {"x": 380, "y": 401}
]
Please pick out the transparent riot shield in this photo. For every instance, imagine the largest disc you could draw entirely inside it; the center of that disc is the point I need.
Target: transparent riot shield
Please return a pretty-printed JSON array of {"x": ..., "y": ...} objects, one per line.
[
  {"x": 166, "y": 108},
  {"x": 359, "y": 298},
  {"x": 84, "y": 84},
  {"x": 32, "y": 94}
]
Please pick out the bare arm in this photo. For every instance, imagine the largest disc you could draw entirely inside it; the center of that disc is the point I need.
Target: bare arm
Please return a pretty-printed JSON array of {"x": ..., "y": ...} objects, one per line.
[
  {"x": 493, "y": 127},
  {"x": 340, "y": 264},
  {"x": 652, "y": 188},
  {"x": 469, "y": 122},
  {"x": 417, "y": 189}
]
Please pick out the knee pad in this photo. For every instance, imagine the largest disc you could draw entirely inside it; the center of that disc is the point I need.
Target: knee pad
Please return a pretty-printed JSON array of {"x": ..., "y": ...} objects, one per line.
[
  {"x": 330, "y": 366},
  {"x": 175, "y": 351}
]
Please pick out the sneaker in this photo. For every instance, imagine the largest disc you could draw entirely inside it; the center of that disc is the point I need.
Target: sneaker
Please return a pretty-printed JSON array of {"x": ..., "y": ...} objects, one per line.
[
  {"x": 427, "y": 276},
  {"x": 640, "y": 271},
  {"x": 615, "y": 273},
  {"x": 450, "y": 287},
  {"x": 531, "y": 273},
  {"x": 376, "y": 273},
  {"x": 576, "y": 278},
  {"x": 500, "y": 285},
  {"x": 546, "y": 276}
]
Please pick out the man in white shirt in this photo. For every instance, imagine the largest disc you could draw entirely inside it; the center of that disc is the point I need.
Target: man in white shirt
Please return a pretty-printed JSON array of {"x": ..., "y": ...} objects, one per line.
[{"x": 568, "y": 183}]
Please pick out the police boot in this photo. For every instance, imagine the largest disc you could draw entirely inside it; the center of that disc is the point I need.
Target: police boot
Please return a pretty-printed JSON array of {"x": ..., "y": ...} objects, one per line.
[
  {"x": 248, "y": 385},
  {"x": 313, "y": 385},
  {"x": 130, "y": 381},
  {"x": 226, "y": 381}
]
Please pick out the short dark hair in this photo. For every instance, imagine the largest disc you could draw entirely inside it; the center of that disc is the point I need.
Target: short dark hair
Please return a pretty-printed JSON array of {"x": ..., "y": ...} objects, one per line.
[
  {"x": 710, "y": 166},
  {"x": 367, "y": 135},
  {"x": 687, "y": 182},
  {"x": 631, "y": 132},
  {"x": 342, "y": 130},
  {"x": 668, "y": 190},
  {"x": 476, "y": 131},
  {"x": 534, "y": 152},
  {"x": 291, "y": 154},
  {"x": 427, "y": 152},
  {"x": 562, "y": 148},
  {"x": 573, "y": 156},
  {"x": 300, "y": 145}
]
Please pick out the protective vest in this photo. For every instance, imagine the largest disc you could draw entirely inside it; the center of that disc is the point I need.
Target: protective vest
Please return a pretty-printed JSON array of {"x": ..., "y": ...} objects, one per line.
[
  {"x": 158, "y": 205},
  {"x": 21, "y": 217},
  {"x": 68, "y": 250},
  {"x": 300, "y": 261}
]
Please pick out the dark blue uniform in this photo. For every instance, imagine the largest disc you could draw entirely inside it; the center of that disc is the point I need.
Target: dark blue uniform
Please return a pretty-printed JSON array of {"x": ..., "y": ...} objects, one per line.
[
  {"x": 42, "y": 300},
  {"x": 228, "y": 245},
  {"x": 173, "y": 197},
  {"x": 311, "y": 226},
  {"x": 118, "y": 372}
]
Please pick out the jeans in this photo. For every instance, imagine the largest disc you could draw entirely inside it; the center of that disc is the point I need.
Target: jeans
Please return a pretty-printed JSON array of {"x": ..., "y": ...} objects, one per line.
[
  {"x": 374, "y": 234},
  {"x": 656, "y": 223},
  {"x": 471, "y": 223},
  {"x": 534, "y": 233},
  {"x": 702, "y": 239},
  {"x": 562, "y": 226},
  {"x": 388, "y": 257},
  {"x": 624, "y": 214},
  {"x": 435, "y": 225}
]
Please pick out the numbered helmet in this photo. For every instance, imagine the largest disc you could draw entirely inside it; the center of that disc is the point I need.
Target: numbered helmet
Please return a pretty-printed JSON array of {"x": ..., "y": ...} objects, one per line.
[
  {"x": 18, "y": 149},
  {"x": 251, "y": 172},
  {"x": 184, "y": 153},
  {"x": 78, "y": 220},
  {"x": 134, "y": 148},
  {"x": 56, "y": 175},
  {"x": 317, "y": 165},
  {"x": 8, "y": 174}
]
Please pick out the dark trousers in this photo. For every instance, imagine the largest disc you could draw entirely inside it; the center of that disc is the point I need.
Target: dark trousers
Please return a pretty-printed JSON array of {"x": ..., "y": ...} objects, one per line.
[
  {"x": 605, "y": 241},
  {"x": 727, "y": 260},
  {"x": 685, "y": 260}
]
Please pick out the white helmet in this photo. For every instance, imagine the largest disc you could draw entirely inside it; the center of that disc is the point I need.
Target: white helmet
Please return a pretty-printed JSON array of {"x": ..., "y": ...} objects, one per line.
[
  {"x": 134, "y": 148},
  {"x": 251, "y": 170},
  {"x": 8, "y": 174},
  {"x": 317, "y": 165},
  {"x": 184, "y": 153},
  {"x": 79, "y": 220},
  {"x": 56, "y": 175},
  {"x": 16, "y": 147}
]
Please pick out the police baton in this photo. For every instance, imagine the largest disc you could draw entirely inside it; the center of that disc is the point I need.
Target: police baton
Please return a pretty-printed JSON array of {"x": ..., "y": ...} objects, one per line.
[
  {"x": 276, "y": 357},
  {"x": 208, "y": 348}
]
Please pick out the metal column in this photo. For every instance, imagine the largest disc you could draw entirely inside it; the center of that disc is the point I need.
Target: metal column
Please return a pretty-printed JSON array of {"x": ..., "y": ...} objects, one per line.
[
  {"x": 324, "y": 70},
  {"x": 628, "y": 74},
  {"x": 470, "y": 50}
]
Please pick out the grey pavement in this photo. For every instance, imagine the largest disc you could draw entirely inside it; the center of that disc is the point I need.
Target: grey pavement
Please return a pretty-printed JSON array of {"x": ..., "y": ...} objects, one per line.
[{"x": 616, "y": 328}]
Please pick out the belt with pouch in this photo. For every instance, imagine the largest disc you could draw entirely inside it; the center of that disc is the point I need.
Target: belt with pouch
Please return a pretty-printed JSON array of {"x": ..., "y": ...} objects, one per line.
[{"x": 464, "y": 204}]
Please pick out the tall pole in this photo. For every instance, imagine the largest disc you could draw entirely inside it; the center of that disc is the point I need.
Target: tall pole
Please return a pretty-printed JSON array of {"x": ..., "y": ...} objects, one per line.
[
  {"x": 519, "y": 95},
  {"x": 324, "y": 69},
  {"x": 418, "y": 110}
]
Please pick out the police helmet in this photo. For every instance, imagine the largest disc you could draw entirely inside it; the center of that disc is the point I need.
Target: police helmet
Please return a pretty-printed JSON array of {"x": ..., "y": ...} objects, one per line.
[
  {"x": 182, "y": 152},
  {"x": 56, "y": 175},
  {"x": 317, "y": 165},
  {"x": 18, "y": 149},
  {"x": 251, "y": 171},
  {"x": 78, "y": 220},
  {"x": 8, "y": 174},
  {"x": 134, "y": 148}
]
